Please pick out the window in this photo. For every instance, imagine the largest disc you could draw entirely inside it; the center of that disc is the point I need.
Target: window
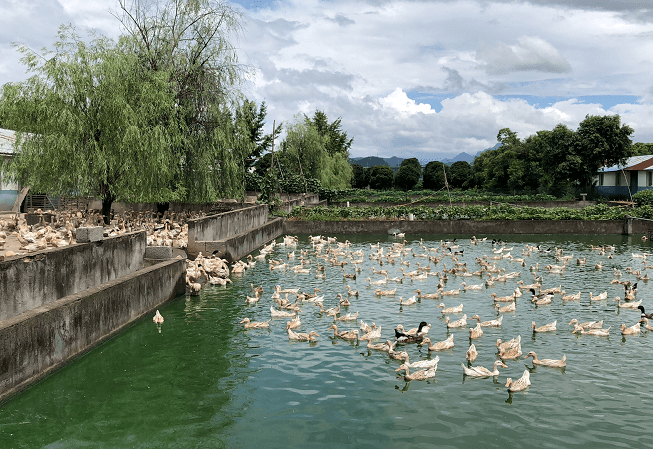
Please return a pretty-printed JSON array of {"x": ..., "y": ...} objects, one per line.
[
  {"x": 601, "y": 180},
  {"x": 649, "y": 178},
  {"x": 617, "y": 179}
]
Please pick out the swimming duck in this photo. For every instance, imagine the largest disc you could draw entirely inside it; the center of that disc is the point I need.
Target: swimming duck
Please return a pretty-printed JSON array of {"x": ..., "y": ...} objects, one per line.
[
  {"x": 471, "y": 353},
  {"x": 509, "y": 298},
  {"x": 627, "y": 305},
  {"x": 401, "y": 355},
  {"x": 504, "y": 346},
  {"x": 345, "y": 335},
  {"x": 511, "y": 353},
  {"x": 408, "y": 302},
  {"x": 491, "y": 323},
  {"x": 373, "y": 334},
  {"x": 480, "y": 371},
  {"x": 575, "y": 297},
  {"x": 509, "y": 308},
  {"x": 280, "y": 313},
  {"x": 647, "y": 326},
  {"x": 423, "y": 328},
  {"x": 386, "y": 347},
  {"x": 439, "y": 346},
  {"x": 302, "y": 336},
  {"x": 632, "y": 330},
  {"x": 595, "y": 332},
  {"x": 294, "y": 323},
  {"x": 255, "y": 324},
  {"x": 351, "y": 292},
  {"x": 542, "y": 301},
  {"x": 157, "y": 318},
  {"x": 423, "y": 364},
  {"x": 419, "y": 375},
  {"x": 547, "y": 362},
  {"x": 521, "y": 384},
  {"x": 445, "y": 311},
  {"x": 588, "y": 324},
  {"x": 412, "y": 335},
  {"x": 348, "y": 317},
  {"x": 476, "y": 332},
  {"x": 644, "y": 314},
  {"x": 546, "y": 328},
  {"x": 458, "y": 323},
  {"x": 603, "y": 296}
]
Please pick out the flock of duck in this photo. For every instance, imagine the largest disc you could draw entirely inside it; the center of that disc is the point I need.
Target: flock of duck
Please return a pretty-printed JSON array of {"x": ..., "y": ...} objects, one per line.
[
  {"x": 445, "y": 263},
  {"x": 58, "y": 229}
]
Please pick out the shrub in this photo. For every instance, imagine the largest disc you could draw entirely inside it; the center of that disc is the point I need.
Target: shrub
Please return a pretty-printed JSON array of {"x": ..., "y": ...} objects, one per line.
[{"x": 644, "y": 198}]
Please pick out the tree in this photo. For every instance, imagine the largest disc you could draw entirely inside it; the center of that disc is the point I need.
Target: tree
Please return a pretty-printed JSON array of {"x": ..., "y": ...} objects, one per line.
[
  {"x": 361, "y": 177},
  {"x": 381, "y": 177},
  {"x": 434, "y": 175},
  {"x": 335, "y": 139},
  {"x": 460, "y": 174},
  {"x": 303, "y": 152},
  {"x": 601, "y": 140},
  {"x": 408, "y": 174},
  {"x": 250, "y": 124},
  {"x": 642, "y": 149},
  {"x": 189, "y": 41},
  {"x": 90, "y": 121}
]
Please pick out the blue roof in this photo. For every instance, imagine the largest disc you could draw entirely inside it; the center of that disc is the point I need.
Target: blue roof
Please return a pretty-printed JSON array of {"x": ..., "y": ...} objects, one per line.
[{"x": 630, "y": 162}]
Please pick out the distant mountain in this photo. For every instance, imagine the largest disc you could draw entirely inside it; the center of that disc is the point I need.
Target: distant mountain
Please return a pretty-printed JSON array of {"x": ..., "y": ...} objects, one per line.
[
  {"x": 394, "y": 161},
  {"x": 369, "y": 161}
]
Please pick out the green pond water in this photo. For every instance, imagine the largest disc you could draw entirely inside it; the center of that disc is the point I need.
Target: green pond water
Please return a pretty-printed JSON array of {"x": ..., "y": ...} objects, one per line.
[{"x": 204, "y": 381}]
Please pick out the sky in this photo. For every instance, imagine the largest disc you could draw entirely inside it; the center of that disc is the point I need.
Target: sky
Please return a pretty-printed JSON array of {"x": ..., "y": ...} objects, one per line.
[{"x": 419, "y": 78}]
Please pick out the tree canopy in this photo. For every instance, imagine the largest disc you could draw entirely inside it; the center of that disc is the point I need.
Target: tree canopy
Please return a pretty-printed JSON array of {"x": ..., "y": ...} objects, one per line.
[
  {"x": 408, "y": 174},
  {"x": 90, "y": 121},
  {"x": 381, "y": 177},
  {"x": 334, "y": 137}
]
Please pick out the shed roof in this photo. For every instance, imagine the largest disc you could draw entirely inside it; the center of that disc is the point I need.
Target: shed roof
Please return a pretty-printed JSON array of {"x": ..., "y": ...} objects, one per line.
[
  {"x": 644, "y": 162},
  {"x": 7, "y": 140}
]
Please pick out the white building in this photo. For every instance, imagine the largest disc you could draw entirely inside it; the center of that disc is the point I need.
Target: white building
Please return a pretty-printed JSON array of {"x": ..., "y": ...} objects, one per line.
[{"x": 635, "y": 175}]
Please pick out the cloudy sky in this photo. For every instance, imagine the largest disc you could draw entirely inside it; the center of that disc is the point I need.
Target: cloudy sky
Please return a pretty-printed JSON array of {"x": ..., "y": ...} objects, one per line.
[{"x": 426, "y": 79}]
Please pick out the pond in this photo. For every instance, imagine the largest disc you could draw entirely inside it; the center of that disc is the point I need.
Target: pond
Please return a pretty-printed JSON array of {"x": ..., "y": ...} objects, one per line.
[{"x": 201, "y": 380}]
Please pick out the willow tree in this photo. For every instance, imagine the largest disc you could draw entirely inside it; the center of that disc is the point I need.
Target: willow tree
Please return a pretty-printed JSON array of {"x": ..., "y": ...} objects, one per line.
[
  {"x": 190, "y": 41},
  {"x": 91, "y": 121}
]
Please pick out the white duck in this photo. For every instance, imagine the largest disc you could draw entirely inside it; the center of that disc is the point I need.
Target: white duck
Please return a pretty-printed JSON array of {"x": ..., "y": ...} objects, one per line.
[{"x": 480, "y": 371}]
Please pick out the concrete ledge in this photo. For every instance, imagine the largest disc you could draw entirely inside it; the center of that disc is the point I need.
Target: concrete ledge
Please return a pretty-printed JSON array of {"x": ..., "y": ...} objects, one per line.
[
  {"x": 223, "y": 226},
  {"x": 37, "y": 342},
  {"x": 453, "y": 227},
  {"x": 239, "y": 245},
  {"x": 41, "y": 277},
  {"x": 90, "y": 234}
]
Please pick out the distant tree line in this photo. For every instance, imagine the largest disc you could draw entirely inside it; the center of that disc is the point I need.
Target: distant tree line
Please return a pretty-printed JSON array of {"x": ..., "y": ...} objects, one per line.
[{"x": 557, "y": 162}]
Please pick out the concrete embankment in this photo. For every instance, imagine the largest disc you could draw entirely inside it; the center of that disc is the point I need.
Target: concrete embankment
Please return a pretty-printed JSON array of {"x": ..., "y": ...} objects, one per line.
[
  {"x": 232, "y": 235},
  {"x": 469, "y": 227},
  {"x": 58, "y": 304}
]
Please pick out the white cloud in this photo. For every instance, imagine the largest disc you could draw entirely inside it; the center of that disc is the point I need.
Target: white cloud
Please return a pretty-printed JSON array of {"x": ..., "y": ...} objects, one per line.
[
  {"x": 347, "y": 57},
  {"x": 531, "y": 53},
  {"x": 399, "y": 101}
]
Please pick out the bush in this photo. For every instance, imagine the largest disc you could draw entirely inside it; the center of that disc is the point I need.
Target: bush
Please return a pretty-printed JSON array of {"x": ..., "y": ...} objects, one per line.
[
  {"x": 253, "y": 182},
  {"x": 644, "y": 198}
]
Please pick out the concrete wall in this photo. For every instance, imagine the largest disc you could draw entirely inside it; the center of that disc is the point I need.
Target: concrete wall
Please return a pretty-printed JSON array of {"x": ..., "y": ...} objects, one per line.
[
  {"x": 226, "y": 225},
  {"x": 545, "y": 204},
  {"x": 454, "y": 227},
  {"x": 39, "y": 341},
  {"x": 42, "y": 277},
  {"x": 238, "y": 246}
]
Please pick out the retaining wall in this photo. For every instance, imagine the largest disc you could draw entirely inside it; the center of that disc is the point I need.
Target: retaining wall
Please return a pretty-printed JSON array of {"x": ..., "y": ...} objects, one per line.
[
  {"x": 238, "y": 246},
  {"x": 434, "y": 204},
  {"x": 452, "y": 227},
  {"x": 43, "y": 339},
  {"x": 27, "y": 282},
  {"x": 225, "y": 225}
]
